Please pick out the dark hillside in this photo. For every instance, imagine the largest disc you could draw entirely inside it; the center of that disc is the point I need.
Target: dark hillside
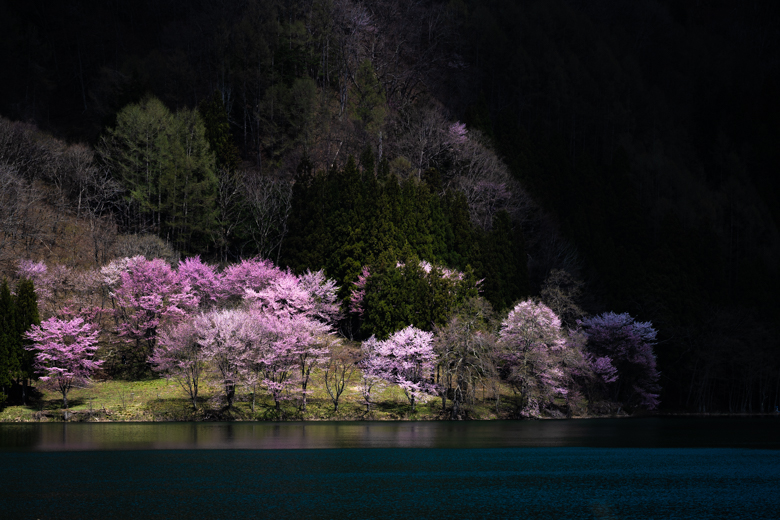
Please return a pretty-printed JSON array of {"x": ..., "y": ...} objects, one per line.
[{"x": 645, "y": 127}]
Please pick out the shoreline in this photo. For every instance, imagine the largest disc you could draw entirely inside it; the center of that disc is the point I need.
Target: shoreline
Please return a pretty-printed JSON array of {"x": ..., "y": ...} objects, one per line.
[
  {"x": 161, "y": 400},
  {"x": 81, "y": 416}
]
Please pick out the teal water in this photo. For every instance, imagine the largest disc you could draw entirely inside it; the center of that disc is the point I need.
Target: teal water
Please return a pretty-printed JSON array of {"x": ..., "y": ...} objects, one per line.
[{"x": 545, "y": 469}]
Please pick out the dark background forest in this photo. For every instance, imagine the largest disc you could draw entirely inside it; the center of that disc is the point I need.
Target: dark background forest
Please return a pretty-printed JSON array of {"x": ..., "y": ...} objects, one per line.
[{"x": 622, "y": 155}]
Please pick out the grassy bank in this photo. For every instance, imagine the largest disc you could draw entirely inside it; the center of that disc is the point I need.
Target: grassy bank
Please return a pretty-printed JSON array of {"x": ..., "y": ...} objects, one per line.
[{"x": 164, "y": 400}]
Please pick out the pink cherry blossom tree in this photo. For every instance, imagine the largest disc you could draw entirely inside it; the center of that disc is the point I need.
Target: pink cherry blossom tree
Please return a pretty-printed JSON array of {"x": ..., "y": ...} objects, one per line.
[
  {"x": 373, "y": 370},
  {"x": 457, "y": 133},
  {"x": 180, "y": 355},
  {"x": 311, "y": 295},
  {"x": 65, "y": 292},
  {"x": 284, "y": 296},
  {"x": 50, "y": 284},
  {"x": 203, "y": 280},
  {"x": 309, "y": 305},
  {"x": 254, "y": 274},
  {"x": 627, "y": 345},
  {"x": 64, "y": 353},
  {"x": 324, "y": 295},
  {"x": 358, "y": 293},
  {"x": 223, "y": 336},
  {"x": 533, "y": 345},
  {"x": 149, "y": 294},
  {"x": 406, "y": 359},
  {"x": 282, "y": 351}
]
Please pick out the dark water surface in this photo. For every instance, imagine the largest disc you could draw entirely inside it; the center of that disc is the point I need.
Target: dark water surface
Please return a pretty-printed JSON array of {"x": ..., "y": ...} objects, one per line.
[{"x": 627, "y": 468}]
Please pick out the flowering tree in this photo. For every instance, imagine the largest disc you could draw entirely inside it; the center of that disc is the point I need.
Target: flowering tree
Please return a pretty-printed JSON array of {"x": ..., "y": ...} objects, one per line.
[
  {"x": 406, "y": 359},
  {"x": 35, "y": 271},
  {"x": 148, "y": 294},
  {"x": 65, "y": 292},
  {"x": 626, "y": 345},
  {"x": 270, "y": 361},
  {"x": 373, "y": 367},
  {"x": 311, "y": 295},
  {"x": 48, "y": 282},
  {"x": 306, "y": 306},
  {"x": 281, "y": 352},
  {"x": 64, "y": 352},
  {"x": 179, "y": 354},
  {"x": 324, "y": 295},
  {"x": 358, "y": 292},
  {"x": 254, "y": 274},
  {"x": 203, "y": 280},
  {"x": 533, "y": 344},
  {"x": 284, "y": 296},
  {"x": 223, "y": 337}
]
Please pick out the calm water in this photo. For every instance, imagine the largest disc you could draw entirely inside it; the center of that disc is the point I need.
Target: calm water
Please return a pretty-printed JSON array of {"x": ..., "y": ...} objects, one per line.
[{"x": 629, "y": 468}]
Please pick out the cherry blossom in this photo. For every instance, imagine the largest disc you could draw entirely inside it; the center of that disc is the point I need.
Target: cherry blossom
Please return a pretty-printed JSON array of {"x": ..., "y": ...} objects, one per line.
[{"x": 64, "y": 352}]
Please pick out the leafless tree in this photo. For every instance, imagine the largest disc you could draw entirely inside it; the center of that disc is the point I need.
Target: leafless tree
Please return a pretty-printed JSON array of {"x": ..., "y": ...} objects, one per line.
[
  {"x": 562, "y": 292},
  {"x": 466, "y": 350},
  {"x": 25, "y": 224},
  {"x": 229, "y": 200},
  {"x": 340, "y": 367},
  {"x": 269, "y": 203}
]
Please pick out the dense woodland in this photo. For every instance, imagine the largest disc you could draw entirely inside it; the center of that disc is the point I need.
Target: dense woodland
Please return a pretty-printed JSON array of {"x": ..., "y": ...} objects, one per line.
[{"x": 591, "y": 156}]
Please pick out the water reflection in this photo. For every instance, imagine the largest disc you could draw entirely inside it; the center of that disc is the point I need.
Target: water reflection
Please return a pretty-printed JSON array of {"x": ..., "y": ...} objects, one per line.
[{"x": 756, "y": 432}]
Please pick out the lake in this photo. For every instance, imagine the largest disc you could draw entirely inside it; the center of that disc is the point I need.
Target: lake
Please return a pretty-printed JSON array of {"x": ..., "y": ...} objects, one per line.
[{"x": 598, "y": 468}]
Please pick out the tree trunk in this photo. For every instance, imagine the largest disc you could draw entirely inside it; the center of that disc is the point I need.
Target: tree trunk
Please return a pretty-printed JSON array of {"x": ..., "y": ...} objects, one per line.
[{"x": 230, "y": 393}]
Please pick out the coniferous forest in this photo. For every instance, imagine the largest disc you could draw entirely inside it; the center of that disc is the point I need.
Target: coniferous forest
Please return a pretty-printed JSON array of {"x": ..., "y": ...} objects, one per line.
[{"x": 577, "y": 202}]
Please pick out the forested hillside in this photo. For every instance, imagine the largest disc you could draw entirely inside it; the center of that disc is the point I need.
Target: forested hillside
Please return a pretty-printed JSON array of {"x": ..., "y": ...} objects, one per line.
[{"x": 597, "y": 156}]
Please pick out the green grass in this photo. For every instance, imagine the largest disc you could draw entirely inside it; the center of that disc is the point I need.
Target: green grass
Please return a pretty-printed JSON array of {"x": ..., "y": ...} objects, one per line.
[{"x": 164, "y": 400}]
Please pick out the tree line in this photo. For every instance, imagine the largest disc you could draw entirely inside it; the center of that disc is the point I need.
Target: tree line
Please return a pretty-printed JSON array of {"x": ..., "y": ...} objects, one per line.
[{"x": 255, "y": 329}]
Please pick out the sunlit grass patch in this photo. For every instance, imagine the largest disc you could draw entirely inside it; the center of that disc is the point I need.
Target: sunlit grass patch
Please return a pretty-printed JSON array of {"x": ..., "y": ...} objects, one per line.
[{"x": 160, "y": 399}]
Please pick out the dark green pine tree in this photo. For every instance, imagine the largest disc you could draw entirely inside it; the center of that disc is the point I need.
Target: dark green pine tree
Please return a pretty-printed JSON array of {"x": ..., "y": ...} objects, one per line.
[
  {"x": 26, "y": 305},
  {"x": 346, "y": 225},
  {"x": 439, "y": 227},
  {"x": 414, "y": 219},
  {"x": 307, "y": 238},
  {"x": 504, "y": 265},
  {"x": 392, "y": 211},
  {"x": 400, "y": 296},
  {"x": 462, "y": 243},
  {"x": 388, "y": 303},
  {"x": 217, "y": 131},
  {"x": 191, "y": 187}
]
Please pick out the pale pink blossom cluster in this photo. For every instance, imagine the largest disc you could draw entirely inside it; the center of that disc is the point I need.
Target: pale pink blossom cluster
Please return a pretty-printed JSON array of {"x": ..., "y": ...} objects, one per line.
[
  {"x": 457, "y": 132},
  {"x": 533, "y": 341},
  {"x": 261, "y": 329},
  {"x": 405, "y": 359},
  {"x": 63, "y": 291},
  {"x": 64, "y": 353}
]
